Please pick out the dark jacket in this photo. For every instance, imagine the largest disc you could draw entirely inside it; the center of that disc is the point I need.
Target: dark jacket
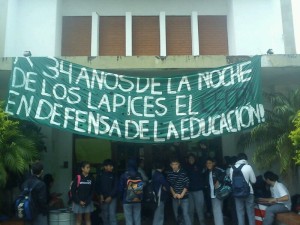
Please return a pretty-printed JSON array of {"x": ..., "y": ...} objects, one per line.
[
  {"x": 84, "y": 192},
  {"x": 107, "y": 185},
  {"x": 39, "y": 193},
  {"x": 196, "y": 177},
  {"x": 218, "y": 174},
  {"x": 130, "y": 173},
  {"x": 159, "y": 180}
]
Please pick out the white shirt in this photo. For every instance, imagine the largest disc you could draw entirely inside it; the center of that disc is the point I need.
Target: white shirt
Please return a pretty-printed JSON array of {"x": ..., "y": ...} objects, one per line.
[
  {"x": 278, "y": 191},
  {"x": 247, "y": 172},
  {"x": 212, "y": 186}
]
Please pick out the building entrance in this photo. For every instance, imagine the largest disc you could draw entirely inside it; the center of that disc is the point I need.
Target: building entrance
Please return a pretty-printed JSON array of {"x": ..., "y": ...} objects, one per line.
[{"x": 96, "y": 151}]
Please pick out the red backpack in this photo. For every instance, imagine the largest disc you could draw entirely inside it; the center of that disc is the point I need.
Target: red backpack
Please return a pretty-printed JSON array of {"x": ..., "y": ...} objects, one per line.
[{"x": 70, "y": 191}]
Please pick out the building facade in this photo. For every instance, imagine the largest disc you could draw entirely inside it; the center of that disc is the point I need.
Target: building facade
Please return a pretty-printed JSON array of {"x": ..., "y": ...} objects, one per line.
[{"x": 146, "y": 37}]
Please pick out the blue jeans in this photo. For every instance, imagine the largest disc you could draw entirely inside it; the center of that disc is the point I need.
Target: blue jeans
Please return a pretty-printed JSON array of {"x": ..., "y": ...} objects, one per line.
[
  {"x": 241, "y": 204},
  {"x": 132, "y": 213},
  {"x": 159, "y": 214},
  {"x": 271, "y": 211},
  {"x": 217, "y": 206},
  {"x": 196, "y": 201},
  {"x": 109, "y": 212},
  {"x": 185, "y": 209}
]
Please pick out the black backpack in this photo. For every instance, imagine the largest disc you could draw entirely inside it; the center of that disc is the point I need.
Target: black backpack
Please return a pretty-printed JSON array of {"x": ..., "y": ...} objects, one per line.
[
  {"x": 240, "y": 187},
  {"x": 149, "y": 194},
  {"x": 25, "y": 206},
  {"x": 150, "y": 198}
]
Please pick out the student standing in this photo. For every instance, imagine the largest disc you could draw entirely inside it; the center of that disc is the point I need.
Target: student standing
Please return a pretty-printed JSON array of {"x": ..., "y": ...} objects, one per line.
[
  {"x": 131, "y": 188},
  {"x": 196, "y": 197},
  {"x": 215, "y": 177},
  {"x": 39, "y": 193},
  {"x": 179, "y": 183},
  {"x": 244, "y": 203},
  {"x": 162, "y": 189},
  {"x": 280, "y": 201},
  {"x": 107, "y": 188},
  {"x": 82, "y": 194}
]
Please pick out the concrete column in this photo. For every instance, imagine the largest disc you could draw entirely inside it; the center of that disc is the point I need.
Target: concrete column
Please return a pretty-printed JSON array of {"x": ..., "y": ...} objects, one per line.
[
  {"x": 162, "y": 33},
  {"x": 95, "y": 35},
  {"x": 3, "y": 16},
  {"x": 231, "y": 29},
  {"x": 195, "y": 34},
  {"x": 128, "y": 34},
  {"x": 58, "y": 30},
  {"x": 296, "y": 14},
  {"x": 288, "y": 27}
]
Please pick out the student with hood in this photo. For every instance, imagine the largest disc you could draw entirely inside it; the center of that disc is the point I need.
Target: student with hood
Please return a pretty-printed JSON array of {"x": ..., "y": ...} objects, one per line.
[{"x": 131, "y": 189}]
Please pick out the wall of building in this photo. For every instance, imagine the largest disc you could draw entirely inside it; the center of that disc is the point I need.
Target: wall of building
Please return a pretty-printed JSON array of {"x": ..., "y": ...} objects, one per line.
[
  {"x": 143, "y": 7},
  {"x": 254, "y": 27},
  {"x": 31, "y": 26},
  {"x": 59, "y": 150}
]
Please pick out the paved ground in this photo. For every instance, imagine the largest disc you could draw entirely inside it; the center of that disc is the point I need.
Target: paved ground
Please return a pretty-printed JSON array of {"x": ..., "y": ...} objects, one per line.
[{"x": 169, "y": 219}]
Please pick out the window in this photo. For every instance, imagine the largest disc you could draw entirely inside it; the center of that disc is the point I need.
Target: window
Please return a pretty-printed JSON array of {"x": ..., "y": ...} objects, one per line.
[
  {"x": 213, "y": 35},
  {"x": 178, "y": 31},
  {"x": 112, "y": 35},
  {"x": 145, "y": 35},
  {"x": 76, "y": 36}
]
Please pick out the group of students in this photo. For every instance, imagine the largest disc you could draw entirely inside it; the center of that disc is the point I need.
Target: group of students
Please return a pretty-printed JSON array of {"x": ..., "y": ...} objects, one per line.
[
  {"x": 184, "y": 184},
  {"x": 188, "y": 186}
]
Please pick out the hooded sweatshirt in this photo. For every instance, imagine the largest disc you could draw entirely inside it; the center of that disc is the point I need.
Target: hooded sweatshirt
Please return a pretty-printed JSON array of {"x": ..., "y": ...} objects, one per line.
[
  {"x": 196, "y": 177},
  {"x": 130, "y": 173},
  {"x": 247, "y": 172}
]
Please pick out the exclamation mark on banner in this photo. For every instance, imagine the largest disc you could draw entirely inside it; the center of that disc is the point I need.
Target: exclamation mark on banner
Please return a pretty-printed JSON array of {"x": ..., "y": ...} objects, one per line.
[{"x": 262, "y": 112}]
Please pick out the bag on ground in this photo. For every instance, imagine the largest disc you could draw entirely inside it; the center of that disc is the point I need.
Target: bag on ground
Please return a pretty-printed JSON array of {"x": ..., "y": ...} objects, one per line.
[
  {"x": 25, "y": 206},
  {"x": 240, "y": 187}
]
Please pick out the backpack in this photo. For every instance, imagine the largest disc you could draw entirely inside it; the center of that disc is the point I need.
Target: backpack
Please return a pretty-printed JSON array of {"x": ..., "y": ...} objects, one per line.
[
  {"x": 134, "y": 190},
  {"x": 150, "y": 198},
  {"x": 25, "y": 206},
  {"x": 70, "y": 191},
  {"x": 224, "y": 190},
  {"x": 240, "y": 187}
]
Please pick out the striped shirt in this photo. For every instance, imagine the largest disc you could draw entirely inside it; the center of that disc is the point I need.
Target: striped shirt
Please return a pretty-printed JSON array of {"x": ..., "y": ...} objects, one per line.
[{"x": 178, "y": 181}]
